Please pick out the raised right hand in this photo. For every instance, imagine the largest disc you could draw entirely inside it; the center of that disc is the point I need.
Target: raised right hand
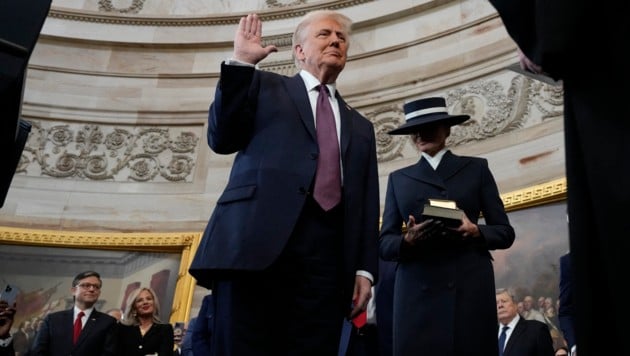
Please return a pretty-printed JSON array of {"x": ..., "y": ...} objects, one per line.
[{"x": 248, "y": 41}]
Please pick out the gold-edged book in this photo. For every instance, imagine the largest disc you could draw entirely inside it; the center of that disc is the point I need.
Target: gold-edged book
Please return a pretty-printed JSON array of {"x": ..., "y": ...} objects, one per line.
[{"x": 444, "y": 210}]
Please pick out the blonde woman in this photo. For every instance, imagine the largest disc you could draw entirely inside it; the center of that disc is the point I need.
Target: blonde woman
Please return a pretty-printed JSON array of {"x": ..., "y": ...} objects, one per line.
[{"x": 142, "y": 333}]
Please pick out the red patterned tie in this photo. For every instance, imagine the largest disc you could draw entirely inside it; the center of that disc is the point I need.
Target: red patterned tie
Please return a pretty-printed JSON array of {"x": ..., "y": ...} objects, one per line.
[
  {"x": 327, "y": 189},
  {"x": 77, "y": 328}
]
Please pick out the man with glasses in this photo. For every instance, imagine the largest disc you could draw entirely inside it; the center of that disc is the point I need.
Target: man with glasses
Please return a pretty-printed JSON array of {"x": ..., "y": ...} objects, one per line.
[{"x": 82, "y": 330}]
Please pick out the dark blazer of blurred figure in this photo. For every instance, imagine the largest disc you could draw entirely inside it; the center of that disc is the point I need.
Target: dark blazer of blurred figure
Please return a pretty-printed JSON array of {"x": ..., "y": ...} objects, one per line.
[
  {"x": 584, "y": 43},
  {"x": 444, "y": 282},
  {"x": 566, "y": 309},
  {"x": 99, "y": 333},
  {"x": 270, "y": 252},
  {"x": 527, "y": 337},
  {"x": 141, "y": 331},
  {"x": 201, "y": 330}
]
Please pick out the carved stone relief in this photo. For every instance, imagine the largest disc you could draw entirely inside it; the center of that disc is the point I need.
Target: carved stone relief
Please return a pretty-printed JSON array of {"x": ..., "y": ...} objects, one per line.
[
  {"x": 99, "y": 152},
  {"x": 133, "y": 6},
  {"x": 284, "y": 3},
  {"x": 494, "y": 109}
]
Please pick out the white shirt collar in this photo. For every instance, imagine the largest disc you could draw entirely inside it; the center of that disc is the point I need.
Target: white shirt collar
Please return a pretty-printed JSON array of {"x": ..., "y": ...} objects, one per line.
[
  {"x": 311, "y": 82},
  {"x": 87, "y": 312},
  {"x": 435, "y": 160}
]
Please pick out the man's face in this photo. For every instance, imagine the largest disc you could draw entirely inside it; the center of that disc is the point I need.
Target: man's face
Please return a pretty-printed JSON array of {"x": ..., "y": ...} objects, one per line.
[
  {"x": 506, "y": 308},
  {"x": 87, "y": 291},
  {"x": 323, "y": 48}
]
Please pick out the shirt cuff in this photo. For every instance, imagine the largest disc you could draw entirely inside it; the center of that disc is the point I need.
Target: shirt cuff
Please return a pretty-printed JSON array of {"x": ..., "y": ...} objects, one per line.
[
  {"x": 236, "y": 62},
  {"x": 366, "y": 274},
  {"x": 6, "y": 342}
]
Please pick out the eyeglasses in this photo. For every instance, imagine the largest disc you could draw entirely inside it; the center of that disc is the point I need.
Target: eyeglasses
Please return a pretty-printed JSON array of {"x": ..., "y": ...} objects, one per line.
[{"x": 89, "y": 285}]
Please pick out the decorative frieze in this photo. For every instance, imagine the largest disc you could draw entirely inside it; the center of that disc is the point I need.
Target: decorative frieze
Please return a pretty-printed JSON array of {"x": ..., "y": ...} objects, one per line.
[{"x": 100, "y": 152}]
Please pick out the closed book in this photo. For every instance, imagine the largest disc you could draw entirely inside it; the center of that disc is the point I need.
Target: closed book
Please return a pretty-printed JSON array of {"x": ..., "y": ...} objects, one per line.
[{"x": 451, "y": 217}]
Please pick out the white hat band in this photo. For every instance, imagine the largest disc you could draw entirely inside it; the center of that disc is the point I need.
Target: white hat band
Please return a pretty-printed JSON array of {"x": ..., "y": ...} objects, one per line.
[{"x": 413, "y": 114}]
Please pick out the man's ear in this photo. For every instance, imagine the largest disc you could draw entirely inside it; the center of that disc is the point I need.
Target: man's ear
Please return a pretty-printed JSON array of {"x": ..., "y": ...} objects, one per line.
[{"x": 298, "y": 51}]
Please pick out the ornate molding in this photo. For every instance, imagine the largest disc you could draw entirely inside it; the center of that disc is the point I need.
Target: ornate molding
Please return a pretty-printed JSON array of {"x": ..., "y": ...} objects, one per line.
[
  {"x": 544, "y": 193},
  {"x": 100, "y": 152},
  {"x": 134, "y": 8},
  {"x": 292, "y": 10}
]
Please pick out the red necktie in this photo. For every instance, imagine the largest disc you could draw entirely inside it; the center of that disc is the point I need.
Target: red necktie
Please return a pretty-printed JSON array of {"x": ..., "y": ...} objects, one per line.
[
  {"x": 327, "y": 189},
  {"x": 77, "y": 328}
]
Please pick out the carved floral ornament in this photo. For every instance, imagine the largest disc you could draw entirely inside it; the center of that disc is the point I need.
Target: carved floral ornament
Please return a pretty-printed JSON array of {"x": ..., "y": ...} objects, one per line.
[
  {"x": 99, "y": 152},
  {"x": 152, "y": 154},
  {"x": 133, "y": 7},
  {"x": 493, "y": 108}
]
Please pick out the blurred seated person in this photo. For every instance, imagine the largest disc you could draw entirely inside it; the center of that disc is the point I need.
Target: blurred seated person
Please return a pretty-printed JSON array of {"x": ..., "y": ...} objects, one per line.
[
  {"x": 116, "y": 313},
  {"x": 518, "y": 336},
  {"x": 7, "y": 313},
  {"x": 141, "y": 331}
]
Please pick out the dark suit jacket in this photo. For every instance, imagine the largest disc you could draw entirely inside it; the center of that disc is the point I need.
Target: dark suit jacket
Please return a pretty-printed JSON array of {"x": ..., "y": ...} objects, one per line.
[
  {"x": 158, "y": 339},
  {"x": 529, "y": 338},
  {"x": 444, "y": 293},
  {"x": 267, "y": 119},
  {"x": 98, "y": 337},
  {"x": 201, "y": 330},
  {"x": 565, "y": 311},
  {"x": 7, "y": 351}
]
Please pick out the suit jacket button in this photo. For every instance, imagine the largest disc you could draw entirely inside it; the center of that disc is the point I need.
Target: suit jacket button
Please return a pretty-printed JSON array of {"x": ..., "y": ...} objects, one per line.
[
  {"x": 302, "y": 190},
  {"x": 314, "y": 155}
]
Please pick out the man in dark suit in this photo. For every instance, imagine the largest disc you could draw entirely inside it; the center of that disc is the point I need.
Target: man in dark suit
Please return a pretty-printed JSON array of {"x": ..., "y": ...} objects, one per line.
[
  {"x": 281, "y": 244},
  {"x": 522, "y": 337},
  {"x": 566, "y": 310},
  {"x": 553, "y": 39},
  {"x": 442, "y": 301},
  {"x": 98, "y": 331},
  {"x": 199, "y": 336}
]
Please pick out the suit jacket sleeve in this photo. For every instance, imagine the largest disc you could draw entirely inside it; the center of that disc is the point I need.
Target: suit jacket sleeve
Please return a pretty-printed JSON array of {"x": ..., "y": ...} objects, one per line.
[
  {"x": 41, "y": 345},
  {"x": 110, "y": 346},
  {"x": 201, "y": 332},
  {"x": 565, "y": 310},
  {"x": 551, "y": 32},
  {"x": 497, "y": 231},
  {"x": 231, "y": 117}
]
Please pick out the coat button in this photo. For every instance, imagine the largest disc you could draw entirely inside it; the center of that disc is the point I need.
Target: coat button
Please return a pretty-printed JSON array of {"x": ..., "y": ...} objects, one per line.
[
  {"x": 314, "y": 155},
  {"x": 302, "y": 190}
]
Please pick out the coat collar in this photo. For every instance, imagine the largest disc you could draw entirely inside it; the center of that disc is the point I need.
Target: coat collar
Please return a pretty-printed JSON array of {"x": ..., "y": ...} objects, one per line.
[{"x": 449, "y": 166}]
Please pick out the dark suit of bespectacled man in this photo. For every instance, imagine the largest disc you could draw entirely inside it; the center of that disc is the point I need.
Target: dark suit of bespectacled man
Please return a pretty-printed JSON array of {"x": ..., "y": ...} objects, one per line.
[
  {"x": 99, "y": 333},
  {"x": 270, "y": 252}
]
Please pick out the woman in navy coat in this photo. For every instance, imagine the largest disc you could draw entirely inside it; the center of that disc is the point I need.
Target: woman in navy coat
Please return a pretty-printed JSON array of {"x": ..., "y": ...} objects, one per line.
[{"x": 444, "y": 301}]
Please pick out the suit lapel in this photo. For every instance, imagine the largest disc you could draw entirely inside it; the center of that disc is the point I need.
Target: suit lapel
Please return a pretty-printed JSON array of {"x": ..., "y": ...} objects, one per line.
[
  {"x": 423, "y": 172},
  {"x": 450, "y": 165},
  {"x": 87, "y": 328},
  {"x": 519, "y": 328},
  {"x": 298, "y": 93},
  {"x": 345, "y": 116}
]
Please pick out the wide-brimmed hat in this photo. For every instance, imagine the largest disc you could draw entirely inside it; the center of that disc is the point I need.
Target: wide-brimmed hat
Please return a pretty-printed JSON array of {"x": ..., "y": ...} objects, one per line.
[{"x": 425, "y": 111}]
